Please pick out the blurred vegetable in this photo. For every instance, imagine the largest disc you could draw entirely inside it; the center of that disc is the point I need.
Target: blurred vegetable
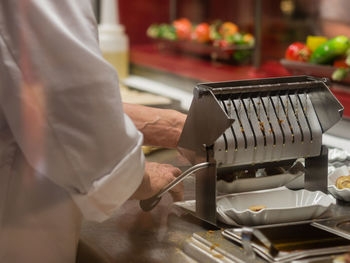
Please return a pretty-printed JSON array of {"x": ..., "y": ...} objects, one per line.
[
  {"x": 153, "y": 31},
  {"x": 340, "y": 74},
  {"x": 222, "y": 43},
  {"x": 347, "y": 59},
  {"x": 214, "y": 31},
  {"x": 227, "y": 29},
  {"x": 248, "y": 38},
  {"x": 162, "y": 31},
  {"x": 298, "y": 52},
  {"x": 327, "y": 51},
  {"x": 240, "y": 39},
  {"x": 235, "y": 38},
  {"x": 242, "y": 55},
  {"x": 234, "y": 45},
  {"x": 167, "y": 32},
  {"x": 183, "y": 28},
  {"x": 340, "y": 63},
  {"x": 312, "y": 42},
  {"x": 201, "y": 33},
  {"x": 343, "y": 67}
]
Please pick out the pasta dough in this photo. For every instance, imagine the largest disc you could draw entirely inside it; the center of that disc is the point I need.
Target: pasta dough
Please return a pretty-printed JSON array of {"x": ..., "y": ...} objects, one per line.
[
  {"x": 256, "y": 208},
  {"x": 343, "y": 182}
]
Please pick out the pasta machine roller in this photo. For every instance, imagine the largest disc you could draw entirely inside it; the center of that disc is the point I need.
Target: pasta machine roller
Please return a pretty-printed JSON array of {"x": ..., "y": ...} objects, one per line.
[{"x": 257, "y": 123}]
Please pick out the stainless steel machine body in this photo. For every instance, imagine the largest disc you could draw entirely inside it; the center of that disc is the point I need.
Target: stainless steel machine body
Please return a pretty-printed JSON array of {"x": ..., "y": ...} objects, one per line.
[{"x": 257, "y": 123}]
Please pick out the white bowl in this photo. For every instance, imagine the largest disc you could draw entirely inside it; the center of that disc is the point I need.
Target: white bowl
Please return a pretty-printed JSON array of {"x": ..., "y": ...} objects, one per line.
[
  {"x": 337, "y": 155},
  {"x": 342, "y": 194},
  {"x": 282, "y": 205}
]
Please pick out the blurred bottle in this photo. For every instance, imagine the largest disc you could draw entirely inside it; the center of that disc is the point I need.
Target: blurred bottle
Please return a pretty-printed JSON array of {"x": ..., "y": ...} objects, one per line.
[{"x": 114, "y": 42}]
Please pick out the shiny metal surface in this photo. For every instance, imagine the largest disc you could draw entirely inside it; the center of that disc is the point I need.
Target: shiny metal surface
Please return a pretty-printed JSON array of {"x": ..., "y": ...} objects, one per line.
[
  {"x": 316, "y": 171},
  {"x": 151, "y": 202},
  {"x": 338, "y": 225},
  {"x": 161, "y": 235},
  {"x": 257, "y": 123}
]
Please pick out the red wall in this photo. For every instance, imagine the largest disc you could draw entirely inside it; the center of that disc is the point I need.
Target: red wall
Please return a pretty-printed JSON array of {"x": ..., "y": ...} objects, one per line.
[
  {"x": 278, "y": 30},
  {"x": 137, "y": 15}
]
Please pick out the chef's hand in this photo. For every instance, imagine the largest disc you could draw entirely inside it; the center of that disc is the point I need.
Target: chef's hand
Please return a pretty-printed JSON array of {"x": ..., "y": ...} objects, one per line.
[
  {"x": 156, "y": 177},
  {"x": 347, "y": 258}
]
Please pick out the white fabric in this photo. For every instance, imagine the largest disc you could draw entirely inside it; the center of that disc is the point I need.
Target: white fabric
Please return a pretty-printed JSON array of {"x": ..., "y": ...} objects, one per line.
[{"x": 63, "y": 134}]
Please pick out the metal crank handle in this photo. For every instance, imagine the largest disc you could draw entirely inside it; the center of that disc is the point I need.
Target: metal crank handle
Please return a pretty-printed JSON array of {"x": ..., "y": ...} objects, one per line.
[{"x": 150, "y": 203}]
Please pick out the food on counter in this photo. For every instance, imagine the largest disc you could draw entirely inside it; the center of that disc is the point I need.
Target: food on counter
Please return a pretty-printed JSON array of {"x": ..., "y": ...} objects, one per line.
[
  {"x": 217, "y": 40},
  {"x": 218, "y": 33},
  {"x": 343, "y": 67},
  {"x": 201, "y": 33},
  {"x": 328, "y": 51},
  {"x": 256, "y": 208},
  {"x": 183, "y": 28},
  {"x": 341, "y": 63},
  {"x": 343, "y": 182},
  {"x": 248, "y": 38},
  {"x": 312, "y": 42},
  {"x": 298, "y": 52},
  {"x": 320, "y": 50},
  {"x": 164, "y": 31},
  {"x": 228, "y": 29},
  {"x": 340, "y": 74},
  {"x": 214, "y": 31}
]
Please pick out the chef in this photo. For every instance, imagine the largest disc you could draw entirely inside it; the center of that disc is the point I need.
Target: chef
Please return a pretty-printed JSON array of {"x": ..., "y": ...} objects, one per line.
[{"x": 67, "y": 149}]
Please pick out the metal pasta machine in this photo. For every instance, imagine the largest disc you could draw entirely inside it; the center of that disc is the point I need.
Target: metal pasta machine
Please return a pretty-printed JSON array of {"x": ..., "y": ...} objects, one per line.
[{"x": 257, "y": 123}]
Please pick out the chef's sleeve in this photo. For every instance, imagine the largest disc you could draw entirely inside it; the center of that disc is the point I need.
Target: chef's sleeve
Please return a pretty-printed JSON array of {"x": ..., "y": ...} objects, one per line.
[{"x": 58, "y": 93}]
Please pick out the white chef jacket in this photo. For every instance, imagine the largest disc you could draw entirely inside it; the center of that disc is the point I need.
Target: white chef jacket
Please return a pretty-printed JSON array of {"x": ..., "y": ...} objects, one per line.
[{"x": 65, "y": 142}]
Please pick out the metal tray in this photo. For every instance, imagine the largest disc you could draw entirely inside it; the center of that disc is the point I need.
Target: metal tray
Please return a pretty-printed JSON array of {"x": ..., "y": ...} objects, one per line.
[
  {"x": 339, "y": 226},
  {"x": 291, "y": 241}
]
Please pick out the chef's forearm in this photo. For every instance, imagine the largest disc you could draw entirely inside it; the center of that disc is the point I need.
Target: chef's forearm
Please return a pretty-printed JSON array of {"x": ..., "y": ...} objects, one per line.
[{"x": 160, "y": 127}]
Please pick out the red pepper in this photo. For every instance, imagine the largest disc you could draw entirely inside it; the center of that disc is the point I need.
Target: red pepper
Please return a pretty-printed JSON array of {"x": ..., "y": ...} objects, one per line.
[
  {"x": 298, "y": 52},
  {"x": 340, "y": 63}
]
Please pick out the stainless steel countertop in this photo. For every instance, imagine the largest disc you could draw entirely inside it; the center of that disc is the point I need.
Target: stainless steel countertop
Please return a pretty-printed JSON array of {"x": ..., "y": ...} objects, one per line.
[{"x": 132, "y": 235}]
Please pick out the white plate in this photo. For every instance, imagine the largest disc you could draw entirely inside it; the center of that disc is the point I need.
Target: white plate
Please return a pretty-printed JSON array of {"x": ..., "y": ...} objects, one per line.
[
  {"x": 337, "y": 155},
  {"x": 342, "y": 194},
  {"x": 282, "y": 205}
]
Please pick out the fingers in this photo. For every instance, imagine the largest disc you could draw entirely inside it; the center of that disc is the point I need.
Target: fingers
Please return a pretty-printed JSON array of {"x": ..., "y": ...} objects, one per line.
[
  {"x": 177, "y": 191},
  {"x": 347, "y": 258},
  {"x": 158, "y": 176}
]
